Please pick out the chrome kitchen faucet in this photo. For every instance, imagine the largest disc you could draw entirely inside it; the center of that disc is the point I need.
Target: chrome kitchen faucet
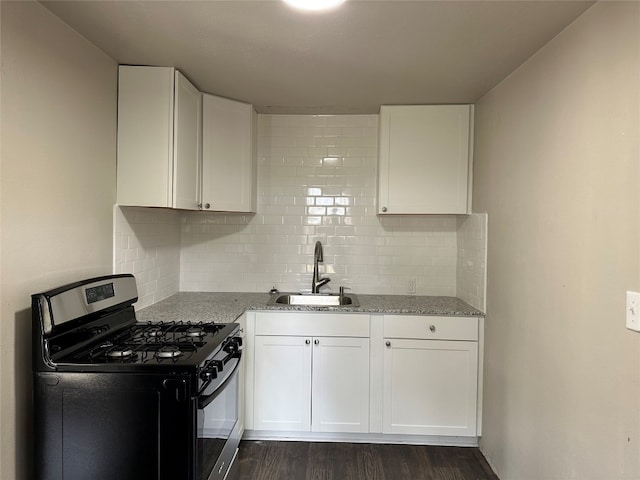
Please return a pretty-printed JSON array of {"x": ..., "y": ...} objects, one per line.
[{"x": 317, "y": 282}]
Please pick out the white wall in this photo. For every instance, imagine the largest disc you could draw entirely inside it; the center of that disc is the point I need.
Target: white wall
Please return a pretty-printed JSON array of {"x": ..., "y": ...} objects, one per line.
[
  {"x": 557, "y": 170},
  {"x": 58, "y": 95}
]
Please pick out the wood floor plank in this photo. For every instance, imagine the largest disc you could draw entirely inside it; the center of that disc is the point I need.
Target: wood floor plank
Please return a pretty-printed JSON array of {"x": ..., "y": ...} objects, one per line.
[
  {"x": 370, "y": 463},
  {"x": 350, "y": 461}
]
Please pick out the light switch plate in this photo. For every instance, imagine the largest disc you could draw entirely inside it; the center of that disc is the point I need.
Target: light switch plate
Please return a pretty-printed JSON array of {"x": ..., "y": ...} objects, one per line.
[{"x": 633, "y": 311}]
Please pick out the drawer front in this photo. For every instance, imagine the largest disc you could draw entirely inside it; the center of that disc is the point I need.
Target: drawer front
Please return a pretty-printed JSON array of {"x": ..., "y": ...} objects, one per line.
[
  {"x": 431, "y": 327},
  {"x": 312, "y": 324}
]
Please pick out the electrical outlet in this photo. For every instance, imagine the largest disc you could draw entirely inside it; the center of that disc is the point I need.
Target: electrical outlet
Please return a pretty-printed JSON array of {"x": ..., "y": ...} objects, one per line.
[
  {"x": 411, "y": 286},
  {"x": 633, "y": 311}
]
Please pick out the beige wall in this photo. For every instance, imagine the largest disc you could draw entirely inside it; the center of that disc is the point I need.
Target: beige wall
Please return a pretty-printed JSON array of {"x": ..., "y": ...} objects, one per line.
[
  {"x": 58, "y": 95},
  {"x": 557, "y": 170}
]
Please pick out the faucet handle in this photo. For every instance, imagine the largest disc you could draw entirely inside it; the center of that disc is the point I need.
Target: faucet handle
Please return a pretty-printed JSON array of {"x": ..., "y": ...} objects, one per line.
[{"x": 342, "y": 289}]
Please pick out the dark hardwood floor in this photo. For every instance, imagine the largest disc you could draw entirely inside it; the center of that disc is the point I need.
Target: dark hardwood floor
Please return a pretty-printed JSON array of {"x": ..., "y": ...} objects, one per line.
[{"x": 260, "y": 460}]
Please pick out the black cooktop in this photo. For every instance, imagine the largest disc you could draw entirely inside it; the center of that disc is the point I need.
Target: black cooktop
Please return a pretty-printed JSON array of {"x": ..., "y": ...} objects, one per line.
[
  {"x": 91, "y": 326},
  {"x": 153, "y": 343}
]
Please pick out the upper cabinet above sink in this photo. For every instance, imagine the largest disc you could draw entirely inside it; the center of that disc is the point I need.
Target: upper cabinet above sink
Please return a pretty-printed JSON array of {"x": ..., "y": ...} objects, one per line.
[
  {"x": 174, "y": 152},
  {"x": 425, "y": 159}
]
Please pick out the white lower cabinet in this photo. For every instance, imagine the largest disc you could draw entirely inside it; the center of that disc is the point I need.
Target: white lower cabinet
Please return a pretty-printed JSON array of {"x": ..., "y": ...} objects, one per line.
[
  {"x": 340, "y": 385},
  {"x": 430, "y": 387},
  {"x": 311, "y": 383},
  {"x": 318, "y": 384},
  {"x": 430, "y": 379},
  {"x": 282, "y": 392},
  {"x": 364, "y": 377}
]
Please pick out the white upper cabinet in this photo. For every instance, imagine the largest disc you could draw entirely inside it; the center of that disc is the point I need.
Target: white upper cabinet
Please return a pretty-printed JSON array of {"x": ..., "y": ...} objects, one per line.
[
  {"x": 187, "y": 131},
  {"x": 159, "y": 144},
  {"x": 228, "y": 155},
  {"x": 425, "y": 159}
]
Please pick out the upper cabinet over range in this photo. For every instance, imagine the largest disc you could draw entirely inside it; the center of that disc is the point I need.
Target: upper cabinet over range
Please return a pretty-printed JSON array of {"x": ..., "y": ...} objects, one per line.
[
  {"x": 172, "y": 155},
  {"x": 425, "y": 159},
  {"x": 159, "y": 128}
]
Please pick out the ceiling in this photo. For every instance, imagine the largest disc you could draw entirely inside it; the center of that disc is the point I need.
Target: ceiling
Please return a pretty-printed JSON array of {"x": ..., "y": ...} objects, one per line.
[{"x": 349, "y": 60}]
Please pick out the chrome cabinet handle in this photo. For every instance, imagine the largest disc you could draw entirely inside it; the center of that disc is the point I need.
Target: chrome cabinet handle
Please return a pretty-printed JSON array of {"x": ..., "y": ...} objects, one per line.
[
  {"x": 432, "y": 328},
  {"x": 207, "y": 206},
  {"x": 316, "y": 342},
  {"x": 387, "y": 343},
  {"x": 384, "y": 209},
  {"x": 307, "y": 342}
]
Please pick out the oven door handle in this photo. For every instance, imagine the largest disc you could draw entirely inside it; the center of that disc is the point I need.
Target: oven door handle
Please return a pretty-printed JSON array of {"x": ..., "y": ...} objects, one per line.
[{"x": 204, "y": 400}]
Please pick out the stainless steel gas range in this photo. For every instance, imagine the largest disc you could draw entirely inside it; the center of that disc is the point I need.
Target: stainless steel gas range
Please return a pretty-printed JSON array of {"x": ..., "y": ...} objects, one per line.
[{"x": 119, "y": 399}]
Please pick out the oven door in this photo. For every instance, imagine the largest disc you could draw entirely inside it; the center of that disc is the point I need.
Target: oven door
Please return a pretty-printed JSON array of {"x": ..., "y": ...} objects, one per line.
[{"x": 218, "y": 425}]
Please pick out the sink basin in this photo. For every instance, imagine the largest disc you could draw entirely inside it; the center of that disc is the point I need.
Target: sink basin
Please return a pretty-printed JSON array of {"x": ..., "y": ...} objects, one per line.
[{"x": 318, "y": 299}]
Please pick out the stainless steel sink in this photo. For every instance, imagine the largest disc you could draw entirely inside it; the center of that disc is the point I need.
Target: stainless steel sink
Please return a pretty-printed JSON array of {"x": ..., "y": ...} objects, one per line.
[{"x": 317, "y": 299}]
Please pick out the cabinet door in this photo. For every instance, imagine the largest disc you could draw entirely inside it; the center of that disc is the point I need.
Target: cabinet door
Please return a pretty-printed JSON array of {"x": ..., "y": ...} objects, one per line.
[
  {"x": 340, "y": 389},
  {"x": 228, "y": 155},
  {"x": 145, "y": 136},
  {"x": 282, "y": 393},
  {"x": 186, "y": 145},
  {"x": 430, "y": 387},
  {"x": 424, "y": 159}
]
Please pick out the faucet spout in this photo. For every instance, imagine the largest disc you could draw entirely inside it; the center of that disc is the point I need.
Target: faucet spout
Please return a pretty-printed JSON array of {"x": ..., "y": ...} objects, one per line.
[
  {"x": 317, "y": 253},
  {"x": 318, "y": 282}
]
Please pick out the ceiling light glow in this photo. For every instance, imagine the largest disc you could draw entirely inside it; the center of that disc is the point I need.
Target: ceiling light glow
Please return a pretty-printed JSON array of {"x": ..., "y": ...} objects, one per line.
[{"x": 314, "y": 5}]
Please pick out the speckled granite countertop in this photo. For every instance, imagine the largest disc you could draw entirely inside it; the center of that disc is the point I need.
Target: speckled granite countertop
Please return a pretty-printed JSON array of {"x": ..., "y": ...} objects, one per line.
[{"x": 226, "y": 307}]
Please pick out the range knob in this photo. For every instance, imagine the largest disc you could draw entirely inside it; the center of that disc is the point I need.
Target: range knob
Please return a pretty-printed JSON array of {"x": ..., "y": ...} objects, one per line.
[
  {"x": 207, "y": 375},
  {"x": 217, "y": 365},
  {"x": 233, "y": 345}
]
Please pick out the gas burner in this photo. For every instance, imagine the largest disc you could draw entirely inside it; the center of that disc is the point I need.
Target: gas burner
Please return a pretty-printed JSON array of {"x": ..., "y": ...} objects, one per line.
[
  {"x": 168, "y": 351},
  {"x": 117, "y": 353},
  {"x": 195, "y": 331},
  {"x": 153, "y": 332}
]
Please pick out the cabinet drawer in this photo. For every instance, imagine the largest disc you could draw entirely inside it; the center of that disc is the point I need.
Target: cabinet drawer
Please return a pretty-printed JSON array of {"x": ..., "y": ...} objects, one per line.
[
  {"x": 312, "y": 324},
  {"x": 430, "y": 327}
]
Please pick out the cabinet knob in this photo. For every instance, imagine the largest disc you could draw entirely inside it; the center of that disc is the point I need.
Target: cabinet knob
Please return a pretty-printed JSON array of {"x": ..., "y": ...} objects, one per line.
[
  {"x": 207, "y": 206},
  {"x": 432, "y": 328},
  {"x": 387, "y": 343},
  {"x": 384, "y": 209},
  {"x": 316, "y": 342},
  {"x": 307, "y": 342}
]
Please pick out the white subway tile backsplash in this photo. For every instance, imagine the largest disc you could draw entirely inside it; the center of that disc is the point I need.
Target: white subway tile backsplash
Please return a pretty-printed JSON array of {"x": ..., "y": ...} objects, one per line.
[
  {"x": 316, "y": 181},
  {"x": 322, "y": 169},
  {"x": 471, "y": 259},
  {"x": 147, "y": 244}
]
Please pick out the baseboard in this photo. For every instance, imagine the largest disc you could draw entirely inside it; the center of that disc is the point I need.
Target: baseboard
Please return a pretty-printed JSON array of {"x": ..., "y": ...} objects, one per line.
[{"x": 361, "y": 438}]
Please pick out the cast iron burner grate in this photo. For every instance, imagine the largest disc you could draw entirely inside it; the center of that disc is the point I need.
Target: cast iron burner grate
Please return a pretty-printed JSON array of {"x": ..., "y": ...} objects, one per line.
[{"x": 153, "y": 342}]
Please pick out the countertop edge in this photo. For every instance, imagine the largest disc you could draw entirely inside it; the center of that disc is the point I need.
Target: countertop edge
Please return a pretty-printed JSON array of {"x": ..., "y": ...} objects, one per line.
[{"x": 225, "y": 307}]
